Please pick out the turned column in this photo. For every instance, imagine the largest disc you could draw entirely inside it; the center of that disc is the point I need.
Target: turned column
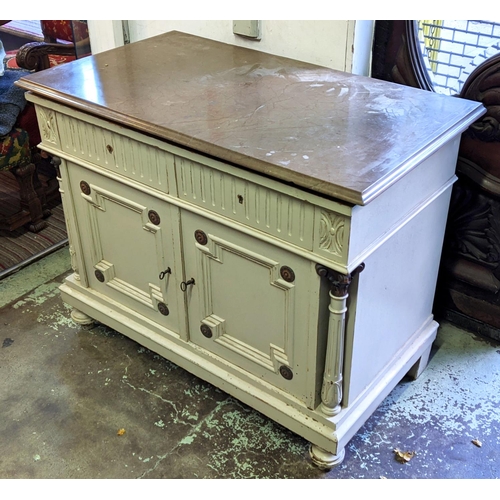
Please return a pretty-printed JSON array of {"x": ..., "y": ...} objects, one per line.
[{"x": 331, "y": 392}]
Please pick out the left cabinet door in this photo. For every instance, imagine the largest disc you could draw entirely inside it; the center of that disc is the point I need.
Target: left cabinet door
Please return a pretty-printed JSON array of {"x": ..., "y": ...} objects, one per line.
[{"x": 127, "y": 238}]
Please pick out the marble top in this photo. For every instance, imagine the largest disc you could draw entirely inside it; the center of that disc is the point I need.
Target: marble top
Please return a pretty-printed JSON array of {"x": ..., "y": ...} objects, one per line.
[{"x": 335, "y": 133}]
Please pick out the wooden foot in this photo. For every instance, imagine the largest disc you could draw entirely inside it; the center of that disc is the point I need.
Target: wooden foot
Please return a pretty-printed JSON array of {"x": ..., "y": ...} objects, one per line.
[
  {"x": 81, "y": 318},
  {"x": 30, "y": 202},
  {"x": 417, "y": 369},
  {"x": 35, "y": 227},
  {"x": 323, "y": 459}
]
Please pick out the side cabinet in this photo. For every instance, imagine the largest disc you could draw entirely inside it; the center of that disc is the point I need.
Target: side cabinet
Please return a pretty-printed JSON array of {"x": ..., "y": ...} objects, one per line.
[{"x": 305, "y": 307}]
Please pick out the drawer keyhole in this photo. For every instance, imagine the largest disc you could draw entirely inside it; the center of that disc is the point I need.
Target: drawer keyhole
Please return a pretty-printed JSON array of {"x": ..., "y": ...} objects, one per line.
[
  {"x": 240, "y": 199},
  {"x": 109, "y": 148}
]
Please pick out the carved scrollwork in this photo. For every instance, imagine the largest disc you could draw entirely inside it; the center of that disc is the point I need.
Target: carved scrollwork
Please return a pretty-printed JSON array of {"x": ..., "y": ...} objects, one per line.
[
  {"x": 473, "y": 228},
  {"x": 35, "y": 55},
  {"x": 331, "y": 233},
  {"x": 486, "y": 129},
  {"x": 483, "y": 85}
]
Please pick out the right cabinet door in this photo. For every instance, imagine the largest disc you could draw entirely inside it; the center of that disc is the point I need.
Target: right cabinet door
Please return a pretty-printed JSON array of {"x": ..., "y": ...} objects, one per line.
[{"x": 252, "y": 304}]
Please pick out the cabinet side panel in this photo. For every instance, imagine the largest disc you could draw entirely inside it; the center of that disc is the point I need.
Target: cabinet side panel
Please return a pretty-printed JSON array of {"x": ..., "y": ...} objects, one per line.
[
  {"x": 395, "y": 295},
  {"x": 371, "y": 223}
]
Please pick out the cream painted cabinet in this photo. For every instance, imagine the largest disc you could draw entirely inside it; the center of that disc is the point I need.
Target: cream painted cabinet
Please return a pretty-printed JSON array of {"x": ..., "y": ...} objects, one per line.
[{"x": 271, "y": 226}]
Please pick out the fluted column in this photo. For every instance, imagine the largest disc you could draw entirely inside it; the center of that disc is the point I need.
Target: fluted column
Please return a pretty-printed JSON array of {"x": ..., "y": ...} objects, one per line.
[{"x": 331, "y": 392}]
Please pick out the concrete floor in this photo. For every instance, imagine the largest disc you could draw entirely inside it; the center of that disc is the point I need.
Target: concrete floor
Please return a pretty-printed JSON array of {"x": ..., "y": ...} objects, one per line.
[{"x": 66, "y": 390}]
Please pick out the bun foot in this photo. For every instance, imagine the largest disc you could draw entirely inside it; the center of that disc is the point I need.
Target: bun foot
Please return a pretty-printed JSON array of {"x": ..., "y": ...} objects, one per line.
[
  {"x": 323, "y": 459},
  {"x": 81, "y": 318}
]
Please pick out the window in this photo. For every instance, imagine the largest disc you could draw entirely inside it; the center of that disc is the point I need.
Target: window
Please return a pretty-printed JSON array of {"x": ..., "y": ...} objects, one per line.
[{"x": 453, "y": 49}]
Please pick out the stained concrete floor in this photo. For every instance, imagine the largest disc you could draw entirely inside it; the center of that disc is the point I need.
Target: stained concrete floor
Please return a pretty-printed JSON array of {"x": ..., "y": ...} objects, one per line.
[{"x": 66, "y": 390}]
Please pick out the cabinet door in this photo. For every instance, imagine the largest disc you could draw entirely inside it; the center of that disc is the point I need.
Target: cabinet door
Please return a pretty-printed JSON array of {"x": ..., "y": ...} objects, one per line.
[
  {"x": 253, "y": 304},
  {"x": 128, "y": 245}
]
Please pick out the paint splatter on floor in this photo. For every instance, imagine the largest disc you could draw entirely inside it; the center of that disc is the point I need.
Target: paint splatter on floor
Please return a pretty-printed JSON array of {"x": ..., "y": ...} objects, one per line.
[{"x": 66, "y": 390}]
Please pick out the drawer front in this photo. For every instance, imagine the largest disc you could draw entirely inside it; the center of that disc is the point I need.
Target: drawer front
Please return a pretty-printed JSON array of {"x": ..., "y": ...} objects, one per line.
[
  {"x": 123, "y": 154},
  {"x": 270, "y": 211}
]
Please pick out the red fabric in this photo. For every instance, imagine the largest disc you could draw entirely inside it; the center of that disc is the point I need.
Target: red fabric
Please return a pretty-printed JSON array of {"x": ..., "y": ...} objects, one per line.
[
  {"x": 64, "y": 30},
  {"x": 27, "y": 121}
]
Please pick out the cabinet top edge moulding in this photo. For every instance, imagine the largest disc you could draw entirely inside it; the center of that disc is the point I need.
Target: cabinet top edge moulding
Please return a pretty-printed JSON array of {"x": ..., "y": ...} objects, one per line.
[{"x": 337, "y": 134}]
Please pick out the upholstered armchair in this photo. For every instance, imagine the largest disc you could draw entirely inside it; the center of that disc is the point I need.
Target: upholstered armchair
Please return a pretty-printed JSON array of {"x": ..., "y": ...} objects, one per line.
[
  {"x": 16, "y": 157},
  {"x": 63, "y": 42}
]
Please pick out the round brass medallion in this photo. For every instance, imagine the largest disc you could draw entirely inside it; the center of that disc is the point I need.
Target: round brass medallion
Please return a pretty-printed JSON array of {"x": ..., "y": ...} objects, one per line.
[
  {"x": 286, "y": 372},
  {"x": 163, "y": 309},
  {"x": 200, "y": 237},
  {"x": 287, "y": 274},
  {"x": 154, "y": 217},
  {"x": 85, "y": 187},
  {"x": 205, "y": 330}
]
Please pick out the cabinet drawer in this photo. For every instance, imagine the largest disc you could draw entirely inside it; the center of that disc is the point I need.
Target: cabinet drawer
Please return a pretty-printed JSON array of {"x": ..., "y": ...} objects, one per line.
[
  {"x": 242, "y": 200},
  {"x": 126, "y": 154}
]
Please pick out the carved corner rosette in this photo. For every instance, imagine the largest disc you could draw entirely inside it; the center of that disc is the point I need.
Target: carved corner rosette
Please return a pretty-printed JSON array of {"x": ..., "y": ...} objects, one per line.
[
  {"x": 47, "y": 123},
  {"x": 331, "y": 233}
]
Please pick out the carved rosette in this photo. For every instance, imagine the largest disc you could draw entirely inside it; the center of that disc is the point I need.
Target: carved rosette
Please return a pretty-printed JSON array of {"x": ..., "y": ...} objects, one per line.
[
  {"x": 48, "y": 125},
  {"x": 331, "y": 233}
]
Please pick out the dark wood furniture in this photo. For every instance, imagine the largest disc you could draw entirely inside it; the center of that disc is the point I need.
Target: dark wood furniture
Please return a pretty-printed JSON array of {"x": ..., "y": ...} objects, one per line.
[
  {"x": 469, "y": 280},
  {"x": 37, "y": 188}
]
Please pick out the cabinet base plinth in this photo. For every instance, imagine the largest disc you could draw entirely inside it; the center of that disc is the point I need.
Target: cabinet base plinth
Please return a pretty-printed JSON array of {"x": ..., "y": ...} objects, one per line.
[
  {"x": 418, "y": 368},
  {"x": 323, "y": 459},
  {"x": 81, "y": 318}
]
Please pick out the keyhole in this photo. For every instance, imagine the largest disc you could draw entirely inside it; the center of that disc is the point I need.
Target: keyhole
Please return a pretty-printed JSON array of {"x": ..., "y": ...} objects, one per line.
[{"x": 240, "y": 199}]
